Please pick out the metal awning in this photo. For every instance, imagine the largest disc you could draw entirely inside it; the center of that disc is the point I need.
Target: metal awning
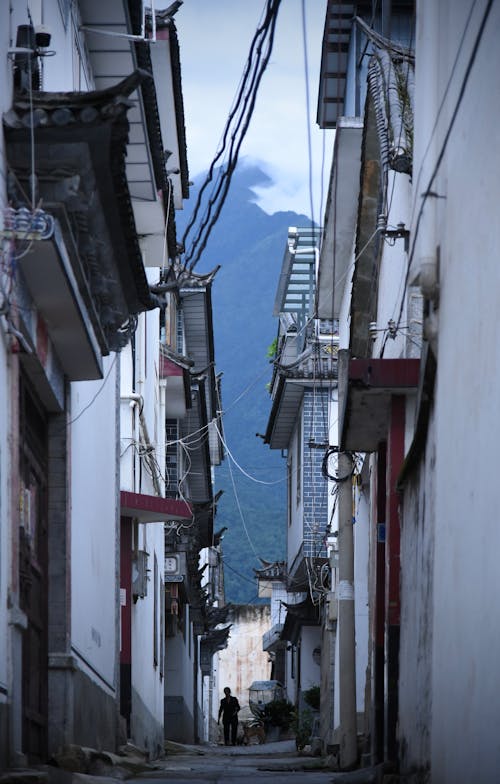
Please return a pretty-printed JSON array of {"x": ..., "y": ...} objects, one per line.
[
  {"x": 295, "y": 293},
  {"x": 336, "y": 36},
  {"x": 51, "y": 281},
  {"x": 153, "y": 508}
]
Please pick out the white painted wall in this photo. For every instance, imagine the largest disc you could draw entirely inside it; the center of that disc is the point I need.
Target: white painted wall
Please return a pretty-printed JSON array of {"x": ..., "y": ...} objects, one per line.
[
  {"x": 179, "y": 679},
  {"x": 142, "y": 424},
  {"x": 465, "y": 743},
  {"x": 310, "y": 639},
  {"x": 147, "y": 685},
  {"x": 94, "y": 518}
]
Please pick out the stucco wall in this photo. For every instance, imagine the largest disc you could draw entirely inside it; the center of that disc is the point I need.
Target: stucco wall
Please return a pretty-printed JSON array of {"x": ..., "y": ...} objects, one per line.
[
  {"x": 417, "y": 579},
  {"x": 93, "y": 537},
  {"x": 465, "y": 742},
  {"x": 147, "y": 684},
  {"x": 179, "y": 680}
]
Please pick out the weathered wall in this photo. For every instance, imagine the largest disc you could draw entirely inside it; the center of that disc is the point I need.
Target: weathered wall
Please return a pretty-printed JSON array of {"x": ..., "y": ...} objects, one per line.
[
  {"x": 463, "y": 224},
  {"x": 93, "y": 534},
  {"x": 244, "y": 661},
  {"x": 417, "y": 579}
]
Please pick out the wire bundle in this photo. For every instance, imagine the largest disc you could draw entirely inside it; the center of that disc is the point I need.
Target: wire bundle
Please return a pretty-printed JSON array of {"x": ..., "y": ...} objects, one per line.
[{"x": 234, "y": 133}]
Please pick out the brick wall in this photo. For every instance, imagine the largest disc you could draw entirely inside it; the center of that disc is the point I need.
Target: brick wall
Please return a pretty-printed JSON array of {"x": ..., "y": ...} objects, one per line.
[{"x": 314, "y": 486}]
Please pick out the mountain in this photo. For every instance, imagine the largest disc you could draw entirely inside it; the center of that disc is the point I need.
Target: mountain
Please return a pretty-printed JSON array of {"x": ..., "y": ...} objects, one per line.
[{"x": 249, "y": 245}]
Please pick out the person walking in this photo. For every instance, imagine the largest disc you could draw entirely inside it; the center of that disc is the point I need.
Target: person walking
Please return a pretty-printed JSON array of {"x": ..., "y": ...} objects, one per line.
[{"x": 229, "y": 707}]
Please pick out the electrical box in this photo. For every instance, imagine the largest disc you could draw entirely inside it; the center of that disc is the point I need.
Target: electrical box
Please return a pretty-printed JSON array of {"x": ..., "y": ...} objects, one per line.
[
  {"x": 140, "y": 574},
  {"x": 332, "y": 606}
]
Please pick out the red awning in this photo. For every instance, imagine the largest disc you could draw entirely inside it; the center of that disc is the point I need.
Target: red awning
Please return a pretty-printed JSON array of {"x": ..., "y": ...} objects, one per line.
[
  {"x": 367, "y": 387},
  {"x": 169, "y": 368},
  {"x": 153, "y": 508}
]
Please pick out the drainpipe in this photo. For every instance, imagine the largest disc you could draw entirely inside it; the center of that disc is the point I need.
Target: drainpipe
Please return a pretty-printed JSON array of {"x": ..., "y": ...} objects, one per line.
[
  {"x": 136, "y": 399},
  {"x": 346, "y": 629}
]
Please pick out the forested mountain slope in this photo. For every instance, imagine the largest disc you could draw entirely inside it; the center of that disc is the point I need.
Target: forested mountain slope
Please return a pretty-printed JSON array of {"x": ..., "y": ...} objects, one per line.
[{"x": 249, "y": 244}]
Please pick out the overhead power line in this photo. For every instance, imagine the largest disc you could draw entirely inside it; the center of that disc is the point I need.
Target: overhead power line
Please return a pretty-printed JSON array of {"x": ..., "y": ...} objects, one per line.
[{"x": 234, "y": 133}]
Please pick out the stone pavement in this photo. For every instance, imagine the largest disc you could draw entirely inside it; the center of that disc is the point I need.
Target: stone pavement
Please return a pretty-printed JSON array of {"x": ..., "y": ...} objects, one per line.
[{"x": 78, "y": 765}]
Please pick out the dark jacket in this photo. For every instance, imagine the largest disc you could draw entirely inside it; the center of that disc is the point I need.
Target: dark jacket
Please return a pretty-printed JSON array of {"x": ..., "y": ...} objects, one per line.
[{"x": 228, "y": 709}]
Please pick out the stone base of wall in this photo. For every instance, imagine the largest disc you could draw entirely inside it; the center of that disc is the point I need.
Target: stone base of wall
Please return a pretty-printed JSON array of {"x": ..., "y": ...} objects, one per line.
[
  {"x": 95, "y": 714},
  {"x": 4, "y": 735},
  {"x": 146, "y": 731},
  {"x": 179, "y": 723}
]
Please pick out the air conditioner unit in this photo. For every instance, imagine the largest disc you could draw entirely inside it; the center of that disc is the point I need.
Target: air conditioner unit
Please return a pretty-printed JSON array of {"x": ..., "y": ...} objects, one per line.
[{"x": 140, "y": 574}]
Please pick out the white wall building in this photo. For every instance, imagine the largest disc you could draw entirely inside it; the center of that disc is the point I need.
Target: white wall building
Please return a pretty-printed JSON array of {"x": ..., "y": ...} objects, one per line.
[{"x": 82, "y": 474}]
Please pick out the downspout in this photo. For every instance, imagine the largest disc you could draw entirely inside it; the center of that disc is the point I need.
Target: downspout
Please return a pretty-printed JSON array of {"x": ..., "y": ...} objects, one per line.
[{"x": 136, "y": 399}]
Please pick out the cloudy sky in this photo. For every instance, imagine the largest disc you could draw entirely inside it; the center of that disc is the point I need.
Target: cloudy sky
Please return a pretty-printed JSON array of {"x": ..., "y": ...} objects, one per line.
[{"x": 215, "y": 38}]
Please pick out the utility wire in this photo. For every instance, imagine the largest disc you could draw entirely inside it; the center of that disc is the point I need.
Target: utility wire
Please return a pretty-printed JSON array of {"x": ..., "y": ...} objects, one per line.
[
  {"x": 92, "y": 401},
  {"x": 240, "y": 510},
  {"x": 249, "y": 476},
  {"x": 248, "y": 98},
  {"x": 308, "y": 111}
]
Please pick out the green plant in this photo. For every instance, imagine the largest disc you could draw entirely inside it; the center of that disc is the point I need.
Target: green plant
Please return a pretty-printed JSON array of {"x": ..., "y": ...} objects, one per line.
[
  {"x": 301, "y": 725},
  {"x": 272, "y": 348},
  {"x": 279, "y": 713},
  {"x": 312, "y": 697}
]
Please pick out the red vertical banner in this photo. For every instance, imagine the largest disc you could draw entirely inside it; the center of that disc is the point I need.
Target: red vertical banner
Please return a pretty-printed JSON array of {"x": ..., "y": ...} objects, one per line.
[
  {"x": 126, "y": 619},
  {"x": 395, "y": 457},
  {"x": 125, "y": 590}
]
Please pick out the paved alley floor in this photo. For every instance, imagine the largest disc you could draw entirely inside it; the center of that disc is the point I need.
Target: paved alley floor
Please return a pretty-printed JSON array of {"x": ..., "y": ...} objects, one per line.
[{"x": 271, "y": 762}]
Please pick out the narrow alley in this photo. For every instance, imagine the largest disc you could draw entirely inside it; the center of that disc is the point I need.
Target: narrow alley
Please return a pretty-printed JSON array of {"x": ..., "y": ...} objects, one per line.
[{"x": 241, "y": 393}]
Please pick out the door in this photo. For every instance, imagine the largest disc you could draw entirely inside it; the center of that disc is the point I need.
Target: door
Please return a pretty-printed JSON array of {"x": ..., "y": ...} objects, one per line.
[{"x": 33, "y": 558}]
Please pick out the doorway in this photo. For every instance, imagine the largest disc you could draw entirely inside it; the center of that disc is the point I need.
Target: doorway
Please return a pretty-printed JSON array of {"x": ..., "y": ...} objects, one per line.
[{"x": 33, "y": 571}]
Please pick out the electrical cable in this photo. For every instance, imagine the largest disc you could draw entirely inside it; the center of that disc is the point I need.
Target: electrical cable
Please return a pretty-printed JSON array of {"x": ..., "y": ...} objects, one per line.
[
  {"x": 245, "y": 473},
  {"x": 232, "y": 569},
  {"x": 207, "y": 223},
  {"x": 223, "y": 141},
  {"x": 242, "y": 517},
  {"x": 86, "y": 408},
  {"x": 308, "y": 111}
]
